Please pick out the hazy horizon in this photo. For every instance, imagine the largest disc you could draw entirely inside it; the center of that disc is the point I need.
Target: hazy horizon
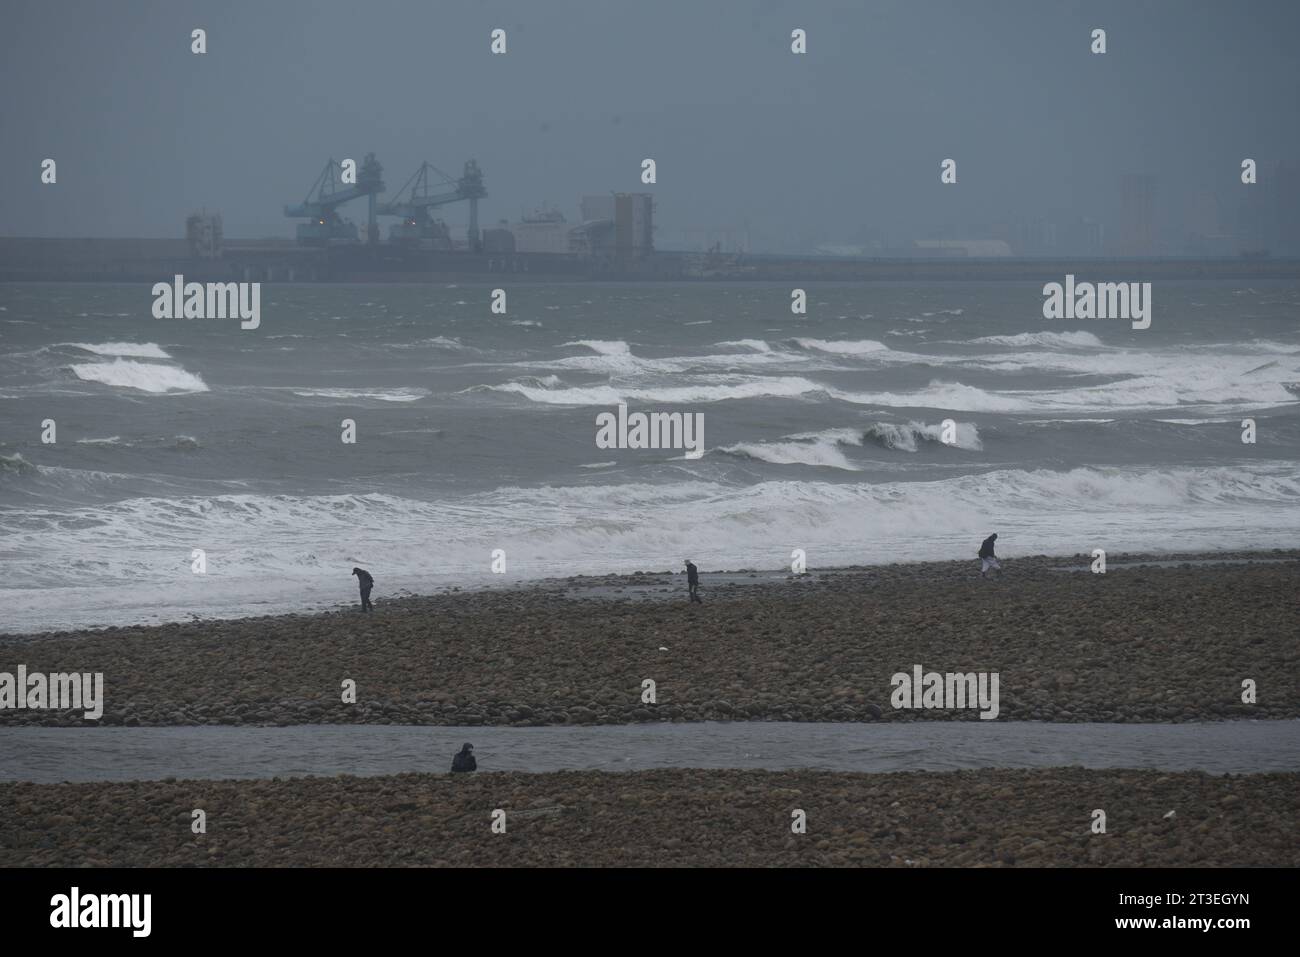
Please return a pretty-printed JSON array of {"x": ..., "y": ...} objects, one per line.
[{"x": 841, "y": 145}]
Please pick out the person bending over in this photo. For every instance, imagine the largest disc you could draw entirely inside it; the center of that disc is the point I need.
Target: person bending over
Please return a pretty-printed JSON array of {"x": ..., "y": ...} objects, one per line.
[
  {"x": 367, "y": 583},
  {"x": 693, "y": 581},
  {"x": 987, "y": 558}
]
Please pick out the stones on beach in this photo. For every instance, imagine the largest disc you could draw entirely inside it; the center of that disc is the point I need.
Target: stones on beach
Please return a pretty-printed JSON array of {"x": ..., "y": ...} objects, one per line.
[
  {"x": 1068, "y": 650},
  {"x": 1004, "y": 818}
]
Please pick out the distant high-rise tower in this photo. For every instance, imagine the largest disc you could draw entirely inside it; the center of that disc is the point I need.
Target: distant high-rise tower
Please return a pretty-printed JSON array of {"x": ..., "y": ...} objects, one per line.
[
  {"x": 1137, "y": 234},
  {"x": 1281, "y": 189},
  {"x": 1082, "y": 237}
]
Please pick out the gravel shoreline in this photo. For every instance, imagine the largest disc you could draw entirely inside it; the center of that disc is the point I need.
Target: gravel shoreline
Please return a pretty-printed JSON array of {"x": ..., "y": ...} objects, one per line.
[
  {"x": 1040, "y": 818},
  {"x": 1138, "y": 644}
]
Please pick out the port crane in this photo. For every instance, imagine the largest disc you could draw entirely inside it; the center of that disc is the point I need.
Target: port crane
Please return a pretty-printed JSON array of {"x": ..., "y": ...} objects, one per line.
[
  {"x": 422, "y": 194},
  {"x": 326, "y": 227}
]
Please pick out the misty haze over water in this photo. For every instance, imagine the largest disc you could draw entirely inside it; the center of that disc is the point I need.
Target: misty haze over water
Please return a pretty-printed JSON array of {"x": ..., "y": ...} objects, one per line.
[{"x": 1060, "y": 151}]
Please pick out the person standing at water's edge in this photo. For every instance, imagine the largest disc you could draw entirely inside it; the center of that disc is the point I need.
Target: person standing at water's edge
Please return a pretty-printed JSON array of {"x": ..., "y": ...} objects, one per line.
[
  {"x": 464, "y": 759},
  {"x": 366, "y": 583},
  {"x": 987, "y": 558},
  {"x": 693, "y": 581}
]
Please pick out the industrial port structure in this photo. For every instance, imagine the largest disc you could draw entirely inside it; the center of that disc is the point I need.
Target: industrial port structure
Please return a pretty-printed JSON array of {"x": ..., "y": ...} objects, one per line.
[
  {"x": 613, "y": 239},
  {"x": 615, "y": 231}
]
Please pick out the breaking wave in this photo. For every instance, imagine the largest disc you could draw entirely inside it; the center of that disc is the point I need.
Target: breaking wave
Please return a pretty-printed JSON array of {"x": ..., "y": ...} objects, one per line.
[
  {"x": 138, "y": 350},
  {"x": 843, "y": 347},
  {"x": 141, "y": 376},
  {"x": 1060, "y": 340},
  {"x": 285, "y": 553}
]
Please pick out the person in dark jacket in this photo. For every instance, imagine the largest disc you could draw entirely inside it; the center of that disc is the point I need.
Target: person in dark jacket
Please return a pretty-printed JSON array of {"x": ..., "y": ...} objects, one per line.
[
  {"x": 987, "y": 558},
  {"x": 464, "y": 760},
  {"x": 693, "y": 581},
  {"x": 367, "y": 583}
]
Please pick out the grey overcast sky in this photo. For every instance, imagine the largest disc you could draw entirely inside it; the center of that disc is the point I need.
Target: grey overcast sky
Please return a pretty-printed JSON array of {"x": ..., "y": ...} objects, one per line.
[{"x": 835, "y": 145}]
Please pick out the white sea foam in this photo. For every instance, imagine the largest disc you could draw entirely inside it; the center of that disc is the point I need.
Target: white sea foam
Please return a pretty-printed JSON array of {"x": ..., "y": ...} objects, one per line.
[
  {"x": 1070, "y": 421},
  {"x": 1208, "y": 386},
  {"x": 615, "y": 362},
  {"x": 944, "y": 395},
  {"x": 1067, "y": 340},
  {"x": 844, "y": 347},
  {"x": 758, "y": 345},
  {"x": 79, "y": 566},
  {"x": 435, "y": 342},
  {"x": 910, "y": 436},
  {"x": 141, "y": 376},
  {"x": 825, "y": 454},
  {"x": 381, "y": 395},
  {"x": 716, "y": 389},
  {"x": 826, "y": 447},
  {"x": 138, "y": 350},
  {"x": 605, "y": 347}
]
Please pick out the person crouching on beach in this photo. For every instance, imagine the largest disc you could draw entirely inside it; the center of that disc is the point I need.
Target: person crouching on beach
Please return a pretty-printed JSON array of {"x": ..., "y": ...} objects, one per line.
[
  {"x": 693, "y": 581},
  {"x": 987, "y": 558},
  {"x": 464, "y": 760},
  {"x": 366, "y": 583}
]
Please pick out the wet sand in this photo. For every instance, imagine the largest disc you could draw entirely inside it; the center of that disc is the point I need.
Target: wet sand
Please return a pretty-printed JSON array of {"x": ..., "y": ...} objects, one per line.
[
  {"x": 228, "y": 752},
  {"x": 1040, "y": 818},
  {"x": 1169, "y": 642}
]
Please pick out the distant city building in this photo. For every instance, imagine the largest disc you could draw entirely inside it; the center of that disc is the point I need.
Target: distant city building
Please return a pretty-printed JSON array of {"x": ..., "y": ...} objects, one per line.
[
  {"x": 1281, "y": 188},
  {"x": 830, "y": 249},
  {"x": 971, "y": 248},
  {"x": 203, "y": 232},
  {"x": 614, "y": 225},
  {"x": 621, "y": 224},
  {"x": 543, "y": 231},
  {"x": 498, "y": 240},
  {"x": 1204, "y": 235},
  {"x": 729, "y": 239},
  {"x": 1036, "y": 237},
  {"x": 1137, "y": 216},
  {"x": 1082, "y": 237},
  {"x": 592, "y": 208}
]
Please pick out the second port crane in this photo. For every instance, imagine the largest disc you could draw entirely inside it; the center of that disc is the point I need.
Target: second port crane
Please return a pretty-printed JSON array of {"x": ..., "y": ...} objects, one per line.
[{"x": 422, "y": 194}]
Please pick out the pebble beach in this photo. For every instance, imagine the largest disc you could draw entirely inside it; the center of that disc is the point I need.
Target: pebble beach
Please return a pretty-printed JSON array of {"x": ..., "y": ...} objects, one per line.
[
  {"x": 1165, "y": 643},
  {"x": 676, "y": 818},
  {"x": 1169, "y": 641}
]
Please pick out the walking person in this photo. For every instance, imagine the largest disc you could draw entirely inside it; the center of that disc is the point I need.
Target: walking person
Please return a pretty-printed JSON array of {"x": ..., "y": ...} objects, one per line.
[
  {"x": 693, "y": 581},
  {"x": 366, "y": 583},
  {"x": 987, "y": 558}
]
